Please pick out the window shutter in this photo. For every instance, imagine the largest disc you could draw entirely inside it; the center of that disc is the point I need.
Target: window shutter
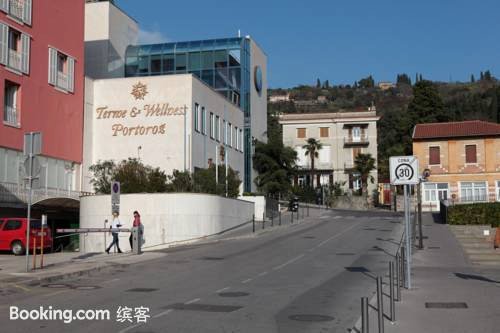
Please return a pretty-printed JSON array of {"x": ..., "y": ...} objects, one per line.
[
  {"x": 434, "y": 155},
  {"x": 4, "y": 5},
  {"x": 4, "y": 44},
  {"x": 71, "y": 74},
  {"x": 470, "y": 154},
  {"x": 25, "y": 53},
  {"x": 52, "y": 66},
  {"x": 27, "y": 12}
]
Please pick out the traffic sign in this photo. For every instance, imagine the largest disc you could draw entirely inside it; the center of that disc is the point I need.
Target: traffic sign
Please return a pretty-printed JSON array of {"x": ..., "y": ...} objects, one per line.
[
  {"x": 404, "y": 170},
  {"x": 115, "y": 193}
]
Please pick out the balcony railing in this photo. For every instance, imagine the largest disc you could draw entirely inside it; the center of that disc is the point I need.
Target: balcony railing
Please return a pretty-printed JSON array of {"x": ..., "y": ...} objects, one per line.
[
  {"x": 16, "y": 8},
  {"x": 62, "y": 80},
  {"x": 356, "y": 140},
  {"x": 474, "y": 198},
  {"x": 10, "y": 115},
  {"x": 15, "y": 59},
  {"x": 348, "y": 165}
]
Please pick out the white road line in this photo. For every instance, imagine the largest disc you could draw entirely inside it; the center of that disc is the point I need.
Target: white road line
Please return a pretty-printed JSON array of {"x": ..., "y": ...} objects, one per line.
[
  {"x": 109, "y": 281},
  {"x": 262, "y": 274},
  {"x": 56, "y": 293},
  {"x": 246, "y": 281},
  {"x": 163, "y": 313},
  {"x": 193, "y": 301},
  {"x": 221, "y": 290},
  {"x": 130, "y": 328},
  {"x": 288, "y": 262},
  {"x": 337, "y": 235}
]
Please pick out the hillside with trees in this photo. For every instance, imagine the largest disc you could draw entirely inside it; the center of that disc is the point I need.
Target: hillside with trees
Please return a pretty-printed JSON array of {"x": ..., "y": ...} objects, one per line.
[{"x": 401, "y": 105}]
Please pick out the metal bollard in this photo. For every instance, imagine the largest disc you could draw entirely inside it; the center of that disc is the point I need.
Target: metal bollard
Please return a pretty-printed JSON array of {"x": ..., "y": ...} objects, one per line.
[
  {"x": 398, "y": 278},
  {"x": 365, "y": 326},
  {"x": 391, "y": 293},
  {"x": 263, "y": 220},
  {"x": 380, "y": 305},
  {"x": 279, "y": 217},
  {"x": 272, "y": 218},
  {"x": 253, "y": 222},
  {"x": 292, "y": 216},
  {"x": 307, "y": 210}
]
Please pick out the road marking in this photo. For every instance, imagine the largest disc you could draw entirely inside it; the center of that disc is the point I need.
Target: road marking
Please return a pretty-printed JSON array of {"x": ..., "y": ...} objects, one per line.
[
  {"x": 337, "y": 235},
  {"x": 221, "y": 290},
  {"x": 163, "y": 313},
  {"x": 56, "y": 293},
  {"x": 109, "y": 281},
  {"x": 288, "y": 262},
  {"x": 20, "y": 287},
  {"x": 262, "y": 274},
  {"x": 130, "y": 328},
  {"x": 193, "y": 301},
  {"x": 337, "y": 217},
  {"x": 246, "y": 281}
]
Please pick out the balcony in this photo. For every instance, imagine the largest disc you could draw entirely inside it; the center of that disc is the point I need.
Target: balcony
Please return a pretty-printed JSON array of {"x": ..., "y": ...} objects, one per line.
[
  {"x": 348, "y": 165},
  {"x": 16, "y": 8},
  {"x": 356, "y": 141},
  {"x": 10, "y": 115},
  {"x": 62, "y": 80},
  {"x": 15, "y": 59}
]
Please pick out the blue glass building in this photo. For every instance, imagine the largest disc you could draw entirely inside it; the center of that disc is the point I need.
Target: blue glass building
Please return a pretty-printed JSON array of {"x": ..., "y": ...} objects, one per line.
[{"x": 224, "y": 64}]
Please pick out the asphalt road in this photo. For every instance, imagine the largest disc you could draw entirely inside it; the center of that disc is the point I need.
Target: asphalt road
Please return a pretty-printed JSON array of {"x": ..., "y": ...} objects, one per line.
[{"x": 305, "y": 277}]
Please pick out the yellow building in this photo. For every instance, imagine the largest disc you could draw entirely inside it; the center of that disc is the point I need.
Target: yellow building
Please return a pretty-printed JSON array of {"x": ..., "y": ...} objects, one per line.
[{"x": 463, "y": 159}]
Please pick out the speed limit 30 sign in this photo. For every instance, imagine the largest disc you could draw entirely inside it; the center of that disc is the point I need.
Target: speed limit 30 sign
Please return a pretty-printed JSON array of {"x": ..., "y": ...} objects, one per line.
[{"x": 404, "y": 170}]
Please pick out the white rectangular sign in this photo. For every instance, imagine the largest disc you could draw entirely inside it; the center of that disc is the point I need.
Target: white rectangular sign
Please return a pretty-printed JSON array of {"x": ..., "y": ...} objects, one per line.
[{"x": 404, "y": 170}]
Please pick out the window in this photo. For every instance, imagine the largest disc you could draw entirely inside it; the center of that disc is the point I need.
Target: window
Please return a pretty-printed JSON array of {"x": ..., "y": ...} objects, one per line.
[
  {"x": 196, "y": 116},
  {"x": 224, "y": 132},
  {"x": 17, "y": 9},
  {"x": 470, "y": 154},
  {"x": 241, "y": 140},
  {"x": 212, "y": 125},
  {"x": 12, "y": 225},
  {"x": 324, "y": 132},
  {"x": 236, "y": 141},
  {"x": 203, "y": 121},
  {"x": 301, "y": 133},
  {"x": 324, "y": 154},
  {"x": 11, "y": 114},
  {"x": 434, "y": 155},
  {"x": 497, "y": 183},
  {"x": 355, "y": 153},
  {"x": 61, "y": 70},
  {"x": 180, "y": 62},
  {"x": 217, "y": 128},
  {"x": 356, "y": 134},
  {"x": 230, "y": 135},
  {"x": 473, "y": 191},
  {"x": 14, "y": 49},
  {"x": 435, "y": 191}
]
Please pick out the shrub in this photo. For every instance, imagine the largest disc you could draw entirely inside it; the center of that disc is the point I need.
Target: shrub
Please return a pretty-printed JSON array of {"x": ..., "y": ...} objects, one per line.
[{"x": 476, "y": 213}]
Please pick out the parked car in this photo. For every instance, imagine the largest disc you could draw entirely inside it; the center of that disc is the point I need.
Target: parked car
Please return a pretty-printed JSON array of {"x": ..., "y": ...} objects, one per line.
[{"x": 13, "y": 235}]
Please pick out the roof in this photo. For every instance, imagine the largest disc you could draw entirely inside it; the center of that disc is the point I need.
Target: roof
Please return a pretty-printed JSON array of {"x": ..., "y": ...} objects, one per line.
[
  {"x": 472, "y": 128},
  {"x": 329, "y": 116}
]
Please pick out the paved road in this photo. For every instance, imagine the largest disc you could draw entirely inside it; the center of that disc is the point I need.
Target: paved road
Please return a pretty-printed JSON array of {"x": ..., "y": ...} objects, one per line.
[{"x": 307, "y": 277}]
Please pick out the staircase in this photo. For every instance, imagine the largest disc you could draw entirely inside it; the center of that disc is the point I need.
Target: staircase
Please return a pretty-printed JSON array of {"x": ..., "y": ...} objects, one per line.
[{"x": 478, "y": 246}]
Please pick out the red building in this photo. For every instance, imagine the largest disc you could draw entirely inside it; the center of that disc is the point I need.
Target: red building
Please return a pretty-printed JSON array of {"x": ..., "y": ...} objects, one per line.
[{"x": 42, "y": 87}]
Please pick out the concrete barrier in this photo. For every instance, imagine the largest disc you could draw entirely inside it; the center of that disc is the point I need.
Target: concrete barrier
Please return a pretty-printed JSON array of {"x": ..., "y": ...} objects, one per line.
[{"x": 167, "y": 217}]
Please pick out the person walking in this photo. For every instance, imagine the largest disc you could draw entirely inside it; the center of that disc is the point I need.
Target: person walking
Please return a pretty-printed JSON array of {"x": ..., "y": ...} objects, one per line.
[
  {"x": 136, "y": 224},
  {"x": 115, "y": 225}
]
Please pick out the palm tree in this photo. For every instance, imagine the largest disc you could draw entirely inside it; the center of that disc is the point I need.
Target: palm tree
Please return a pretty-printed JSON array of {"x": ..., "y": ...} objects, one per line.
[
  {"x": 364, "y": 164},
  {"x": 312, "y": 147}
]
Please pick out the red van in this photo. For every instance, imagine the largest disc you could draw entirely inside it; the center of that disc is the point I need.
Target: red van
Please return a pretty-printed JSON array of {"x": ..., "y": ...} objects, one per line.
[{"x": 13, "y": 234}]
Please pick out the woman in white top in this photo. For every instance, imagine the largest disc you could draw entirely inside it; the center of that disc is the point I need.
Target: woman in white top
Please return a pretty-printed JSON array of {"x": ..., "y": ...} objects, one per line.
[{"x": 115, "y": 225}]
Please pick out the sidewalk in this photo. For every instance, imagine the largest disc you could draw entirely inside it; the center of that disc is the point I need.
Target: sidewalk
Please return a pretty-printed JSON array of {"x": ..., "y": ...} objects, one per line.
[
  {"x": 64, "y": 265},
  {"x": 442, "y": 274}
]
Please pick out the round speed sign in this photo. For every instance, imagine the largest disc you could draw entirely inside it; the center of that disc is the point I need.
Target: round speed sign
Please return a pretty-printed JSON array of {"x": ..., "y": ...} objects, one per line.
[{"x": 404, "y": 172}]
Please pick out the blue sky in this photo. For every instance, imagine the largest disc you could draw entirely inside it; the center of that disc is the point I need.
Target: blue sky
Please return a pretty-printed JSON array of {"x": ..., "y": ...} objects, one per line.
[{"x": 341, "y": 41}]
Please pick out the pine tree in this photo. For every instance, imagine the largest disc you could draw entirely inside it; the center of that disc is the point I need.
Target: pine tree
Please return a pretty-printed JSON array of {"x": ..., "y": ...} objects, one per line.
[
  {"x": 420, "y": 78},
  {"x": 426, "y": 105},
  {"x": 487, "y": 75},
  {"x": 481, "y": 76},
  {"x": 472, "y": 79},
  {"x": 318, "y": 83},
  {"x": 327, "y": 84}
]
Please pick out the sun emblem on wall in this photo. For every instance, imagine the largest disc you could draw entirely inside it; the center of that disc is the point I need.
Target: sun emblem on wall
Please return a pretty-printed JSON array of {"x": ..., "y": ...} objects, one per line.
[{"x": 139, "y": 90}]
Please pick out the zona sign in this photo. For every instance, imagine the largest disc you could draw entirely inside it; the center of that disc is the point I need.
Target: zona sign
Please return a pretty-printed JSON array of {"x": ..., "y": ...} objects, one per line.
[{"x": 404, "y": 170}]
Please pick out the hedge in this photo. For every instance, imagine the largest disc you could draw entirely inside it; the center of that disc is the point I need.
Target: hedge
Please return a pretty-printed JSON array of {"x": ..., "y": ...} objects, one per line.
[{"x": 476, "y": 213}]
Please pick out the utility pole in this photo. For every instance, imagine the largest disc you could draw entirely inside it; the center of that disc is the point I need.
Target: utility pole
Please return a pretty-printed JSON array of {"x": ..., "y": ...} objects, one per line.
[{"x": 419, "y": 212}]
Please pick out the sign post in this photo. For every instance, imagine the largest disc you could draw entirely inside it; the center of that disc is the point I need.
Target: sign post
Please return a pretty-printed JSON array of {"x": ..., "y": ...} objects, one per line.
[
  {"x": 32, "y": 147},
  {"x": 404, "y": 171},
  {"x": 115, "y": 197}
]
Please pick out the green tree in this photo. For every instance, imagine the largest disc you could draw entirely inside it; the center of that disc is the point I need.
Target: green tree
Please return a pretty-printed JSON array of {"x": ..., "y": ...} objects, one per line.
[
  {"x": 205, "y": 181},
  {"x": 103, "y": 175},
  {"x": 426, "y": 105},
  {"x": 318, "y": 83},
  {"x": 180, "y": 181},
  {"x": 472, "y": 78},
  {"x": 367, "y": 82},
  {"x": 312, "y": 148},
  {"x": 363, "y": 165}
]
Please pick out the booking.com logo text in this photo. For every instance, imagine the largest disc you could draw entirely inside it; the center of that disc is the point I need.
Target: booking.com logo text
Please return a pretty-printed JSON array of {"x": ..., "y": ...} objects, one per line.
[{"x": 66, "y": 316}]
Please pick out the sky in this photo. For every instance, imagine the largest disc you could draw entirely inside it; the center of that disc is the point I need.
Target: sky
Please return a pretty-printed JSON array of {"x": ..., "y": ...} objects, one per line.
[{"x": 340, "y": 41}]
